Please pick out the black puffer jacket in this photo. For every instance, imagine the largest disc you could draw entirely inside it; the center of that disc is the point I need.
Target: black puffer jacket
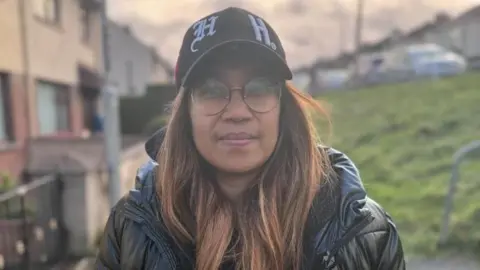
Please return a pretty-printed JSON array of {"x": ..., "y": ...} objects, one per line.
[{"x": 353, "y": 233}]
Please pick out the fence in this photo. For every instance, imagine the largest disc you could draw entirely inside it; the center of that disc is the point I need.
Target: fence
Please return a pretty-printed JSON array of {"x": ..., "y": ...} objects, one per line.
[
  {"x": 32, "y": 235},
  {"x": 458, "y": 157}
]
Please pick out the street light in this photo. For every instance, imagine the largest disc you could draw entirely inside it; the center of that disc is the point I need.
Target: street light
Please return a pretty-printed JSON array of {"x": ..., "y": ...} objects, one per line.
[
  {"x": 111, "y": 123},
  {"x": 358, "y": 35}
]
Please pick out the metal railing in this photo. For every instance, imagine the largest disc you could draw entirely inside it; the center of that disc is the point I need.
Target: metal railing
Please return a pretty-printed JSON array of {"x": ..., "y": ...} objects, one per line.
[
  {"x": 458, "y": 157},
  {"x": 32, "y": 235}
]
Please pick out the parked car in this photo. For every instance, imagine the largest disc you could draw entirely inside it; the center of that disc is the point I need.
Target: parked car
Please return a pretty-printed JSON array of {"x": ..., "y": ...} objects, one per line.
[
  {"x": 333, "y": 78},
  {"x": 433, "y": 60},
  {"x": 414, "y": 61}
]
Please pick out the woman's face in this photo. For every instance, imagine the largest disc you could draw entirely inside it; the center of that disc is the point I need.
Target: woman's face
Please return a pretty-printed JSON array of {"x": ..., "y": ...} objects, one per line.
[{"x": 235, "y": 117}]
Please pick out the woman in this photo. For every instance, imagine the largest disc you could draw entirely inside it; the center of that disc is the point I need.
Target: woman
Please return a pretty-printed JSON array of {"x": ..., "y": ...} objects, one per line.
[{"x": 239, "y": 180}]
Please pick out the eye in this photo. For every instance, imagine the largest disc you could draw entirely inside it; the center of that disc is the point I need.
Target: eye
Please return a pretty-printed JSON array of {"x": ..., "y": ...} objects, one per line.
[
  {"x": 211, "y": 88},
  {"x": 262, "y": 86}
]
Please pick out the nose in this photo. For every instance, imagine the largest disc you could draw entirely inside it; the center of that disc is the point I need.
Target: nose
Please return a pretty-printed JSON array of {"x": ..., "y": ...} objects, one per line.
[{"x": 237, "y": 109}]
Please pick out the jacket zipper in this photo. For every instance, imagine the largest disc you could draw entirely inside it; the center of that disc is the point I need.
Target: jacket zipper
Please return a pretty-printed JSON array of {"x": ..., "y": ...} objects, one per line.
[{"x": 150, "y": 229}]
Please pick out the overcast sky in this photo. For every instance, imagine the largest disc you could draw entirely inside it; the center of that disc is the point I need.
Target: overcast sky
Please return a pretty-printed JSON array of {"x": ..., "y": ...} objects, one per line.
[{"x": 308, "y": 28}]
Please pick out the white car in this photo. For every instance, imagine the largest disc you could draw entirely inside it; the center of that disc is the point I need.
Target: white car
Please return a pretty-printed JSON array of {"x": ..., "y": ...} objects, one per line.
[
  {"x": 333, "y": 78},
  {"x": 433, "y": 60}
]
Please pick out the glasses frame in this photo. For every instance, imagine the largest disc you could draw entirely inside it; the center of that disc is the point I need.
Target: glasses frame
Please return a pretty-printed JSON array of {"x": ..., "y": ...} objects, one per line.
[{"x": 242, "y": 91}]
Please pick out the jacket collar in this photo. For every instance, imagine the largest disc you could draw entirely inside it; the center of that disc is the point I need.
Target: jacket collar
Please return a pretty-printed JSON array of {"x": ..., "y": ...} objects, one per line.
[
  {"x": 352, "y": 192},
  {"x": 350, "y": 202},
  {"x": 152, "y": 146}
]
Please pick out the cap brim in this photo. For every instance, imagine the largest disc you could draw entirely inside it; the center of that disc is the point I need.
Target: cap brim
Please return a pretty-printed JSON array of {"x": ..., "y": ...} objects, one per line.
[{"x": 276, "y": 59}]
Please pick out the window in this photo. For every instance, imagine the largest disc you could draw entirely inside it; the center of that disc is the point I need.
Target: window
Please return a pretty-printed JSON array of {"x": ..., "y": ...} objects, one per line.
[
  {"x": 6, "y": 134},
  {"x": 48, "y": 10},
  {"x": 85, "y": 23},
  {"x": 52, "y": 108}
]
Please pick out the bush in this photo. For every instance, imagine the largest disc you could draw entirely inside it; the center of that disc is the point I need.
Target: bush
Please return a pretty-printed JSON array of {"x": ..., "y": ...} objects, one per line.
[
  {"x": 6, "y": 182},
  {"x": 14, "y": 210}
]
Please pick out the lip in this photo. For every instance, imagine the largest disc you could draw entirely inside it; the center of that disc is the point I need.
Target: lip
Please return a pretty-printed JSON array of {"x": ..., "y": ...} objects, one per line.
[
  {"x": 237, "y": 142},
  {"x": 236, "y": 139}
]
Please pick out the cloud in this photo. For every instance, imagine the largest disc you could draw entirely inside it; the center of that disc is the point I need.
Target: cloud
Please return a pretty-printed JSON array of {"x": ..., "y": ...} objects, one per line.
[{"x": 308, "y": 28}]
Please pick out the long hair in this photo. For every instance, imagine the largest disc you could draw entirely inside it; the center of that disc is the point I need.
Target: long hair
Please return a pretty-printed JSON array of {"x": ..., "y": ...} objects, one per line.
[{"x": 266, "y": 230}]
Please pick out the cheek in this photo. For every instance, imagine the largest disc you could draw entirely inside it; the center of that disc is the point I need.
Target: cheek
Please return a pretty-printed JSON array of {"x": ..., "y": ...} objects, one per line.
[
  {"x": 201, "y": 128},
  {"x": 269, "y": 128}
]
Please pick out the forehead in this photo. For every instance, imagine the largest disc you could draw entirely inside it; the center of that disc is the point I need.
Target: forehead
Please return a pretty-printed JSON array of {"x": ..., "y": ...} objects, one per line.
[
  {"x": 233, "y": 67},
  {"x": 226, "y": 69}
]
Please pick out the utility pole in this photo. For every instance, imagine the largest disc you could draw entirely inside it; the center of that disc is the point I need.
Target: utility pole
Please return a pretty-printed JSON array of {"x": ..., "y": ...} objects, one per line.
[
  {"x": 358, "y": 36},
  {"x": 111, "y": 122},
  {"x": 342, "y": 26}
]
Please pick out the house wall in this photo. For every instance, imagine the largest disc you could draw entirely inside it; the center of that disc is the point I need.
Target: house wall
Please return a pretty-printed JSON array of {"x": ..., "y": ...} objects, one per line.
[
  {"x": 52, "y": 54},
  {"x": 92, "y": 203},
  {"x": 97, "y": 207},
  {"x": 160, "y": 75},
  {"x": 126, "y": 48},
  {"x": 75, "y": 214},
  {"x": 132, "y": 159},
  {"x": 470, "y": 33},
  {"x": 12, "y": 156},
  {"x": 11, "y": 51},
  {"x": 462, "y": 35}
]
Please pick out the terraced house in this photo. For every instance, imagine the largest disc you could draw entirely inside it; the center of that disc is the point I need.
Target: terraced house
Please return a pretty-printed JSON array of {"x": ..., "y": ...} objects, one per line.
[{"x": 49, "y": 72}]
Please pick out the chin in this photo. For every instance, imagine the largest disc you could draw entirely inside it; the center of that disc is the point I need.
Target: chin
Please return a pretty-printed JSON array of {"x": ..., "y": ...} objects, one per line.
[{"x": 237, "y": 167}]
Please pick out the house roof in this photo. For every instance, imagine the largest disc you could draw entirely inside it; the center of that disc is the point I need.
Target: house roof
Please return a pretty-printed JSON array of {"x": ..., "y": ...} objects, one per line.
[
  {"x": 344, "y": 59},
  {"x": 469, "y": 14},
  {"x": 440, "y": 20},
  {"x": 72, "y": 155},
  {"x": 341, "y": 61},
  {"x": 160, "y": 60},
  {"x": 303, "y": 69}
]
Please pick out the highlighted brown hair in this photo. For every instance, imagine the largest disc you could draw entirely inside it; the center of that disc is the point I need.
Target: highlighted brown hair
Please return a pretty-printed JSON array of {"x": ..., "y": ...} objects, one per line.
[{"x": 266, "y": 230}]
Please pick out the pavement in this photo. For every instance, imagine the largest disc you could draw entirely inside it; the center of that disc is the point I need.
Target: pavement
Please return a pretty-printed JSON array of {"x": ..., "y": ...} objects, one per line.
[
  {"x": 412, "y": 264},
  {"x": 85, "y": 264},
  {"x": 443, "y": 264}
]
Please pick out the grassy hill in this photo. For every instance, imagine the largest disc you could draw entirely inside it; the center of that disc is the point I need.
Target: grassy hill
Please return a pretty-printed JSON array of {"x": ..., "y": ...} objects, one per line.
[{"x": 402, "y": 138}]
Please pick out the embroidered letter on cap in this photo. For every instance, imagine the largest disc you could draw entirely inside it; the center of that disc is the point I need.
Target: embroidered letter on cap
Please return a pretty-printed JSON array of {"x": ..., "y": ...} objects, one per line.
[
  {"x": 261, "y": 31},
  {"x": 202, "y": 28}
]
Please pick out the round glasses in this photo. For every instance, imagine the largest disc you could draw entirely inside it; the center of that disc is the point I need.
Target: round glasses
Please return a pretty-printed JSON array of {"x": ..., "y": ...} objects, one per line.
[{"x": 261, "y": 95}]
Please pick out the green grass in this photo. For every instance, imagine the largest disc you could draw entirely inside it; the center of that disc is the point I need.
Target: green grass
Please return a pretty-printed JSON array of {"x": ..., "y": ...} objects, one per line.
[{"x": 402, "y": 138}]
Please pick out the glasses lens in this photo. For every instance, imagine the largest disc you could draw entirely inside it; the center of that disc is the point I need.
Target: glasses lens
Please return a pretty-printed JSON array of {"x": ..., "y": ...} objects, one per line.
[
  {"x": 262, "y": 94},
  {"x": 212, "y": 96}
]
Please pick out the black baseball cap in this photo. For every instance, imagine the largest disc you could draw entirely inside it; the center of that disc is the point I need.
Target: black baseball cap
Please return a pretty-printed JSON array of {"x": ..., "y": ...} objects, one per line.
[{"x": 231, "y": 26}]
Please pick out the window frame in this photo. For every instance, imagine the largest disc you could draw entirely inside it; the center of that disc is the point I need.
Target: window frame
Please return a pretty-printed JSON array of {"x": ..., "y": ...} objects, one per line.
[
  {"x": 45, "y": 13},
  {"x": 62, "y": 98},
  {"x": 6, "y": 106}
]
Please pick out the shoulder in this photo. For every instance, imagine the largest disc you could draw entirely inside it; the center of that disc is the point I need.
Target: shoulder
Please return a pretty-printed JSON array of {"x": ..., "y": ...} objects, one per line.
[
  {"x": 119, "y": 232},
  {"x": 364, "y": 231},
  {"x": 381, "y": 220},
  {"x": 379, "y": 243},
  {"x": 355, "y": 201},
  {"x": 126, "y": 243}
]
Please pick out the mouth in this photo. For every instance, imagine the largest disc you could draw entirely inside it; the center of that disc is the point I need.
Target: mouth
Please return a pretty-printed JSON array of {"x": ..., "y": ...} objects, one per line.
[{"x": 237, "y": 138}]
